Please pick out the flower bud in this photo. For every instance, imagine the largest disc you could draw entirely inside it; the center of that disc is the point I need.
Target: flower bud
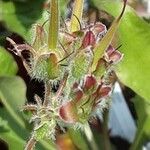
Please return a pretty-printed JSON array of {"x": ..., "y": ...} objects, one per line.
[
  {"x": 68, "y": 112},
  {"x": 90, "y": 82}
]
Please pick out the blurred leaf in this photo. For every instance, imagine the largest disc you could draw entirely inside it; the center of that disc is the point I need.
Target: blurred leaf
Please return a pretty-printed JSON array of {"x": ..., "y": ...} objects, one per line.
[
  {"x": 7, "y": 64},
  {"x": 134, "y": 35},
  {"x": 8, "y": 134},
  {"x": 19, "y": 16},
  {"x": 63, "y": 7},
  {"x": 12, "y": 95},
  {"x": 143, "y": 123},
  {"x": 16, "y": 136}
]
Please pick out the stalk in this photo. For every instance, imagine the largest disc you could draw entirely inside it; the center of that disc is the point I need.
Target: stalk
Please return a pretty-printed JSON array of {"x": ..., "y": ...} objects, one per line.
[
  {"x": 53, "y": 25},
  {"x": 105, "y": 130},
  {"x": 90, "y": 137}
]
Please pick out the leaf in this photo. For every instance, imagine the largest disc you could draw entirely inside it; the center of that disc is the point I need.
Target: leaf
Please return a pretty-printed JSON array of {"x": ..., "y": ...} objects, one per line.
[
  {"x": 133, "y": 70},
  {"x": 19, "y": 16},
  {"x": 8, "y": 134},
  {"x": 12, "y": 95},
  {"x": 7, "y": 64},
  {"x": 143, "y": 123}
]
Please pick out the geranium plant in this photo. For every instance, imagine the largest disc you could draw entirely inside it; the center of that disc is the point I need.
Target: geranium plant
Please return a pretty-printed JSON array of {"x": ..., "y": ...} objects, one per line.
[
  {"x": 75, "y": 57},
  {"x": 80, "y": 58}
]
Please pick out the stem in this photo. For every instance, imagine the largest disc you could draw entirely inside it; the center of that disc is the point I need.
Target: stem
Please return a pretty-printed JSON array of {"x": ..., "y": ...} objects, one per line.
[
  {"x": 90, "y": 137},
  {"x": 105, "y": 130},
  {"x": 48, "y": 145},
  {"x": 31, "y": 144},
  {"x": 47, "y": 93},
  {"x": 138, "y": 138},
  {"x": 54, "y": 25},
  {"x": 62, "y": 85}
]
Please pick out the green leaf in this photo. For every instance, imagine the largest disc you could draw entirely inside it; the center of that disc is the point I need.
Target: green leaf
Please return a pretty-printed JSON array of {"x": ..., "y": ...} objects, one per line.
[
  {"x": 7, "y": 64},
  {"x": 12, "y": 95},
  {"x": 8, "y": 134},
  {"x": 133, "y": 70},
  {"x": 19, "y": 16}
]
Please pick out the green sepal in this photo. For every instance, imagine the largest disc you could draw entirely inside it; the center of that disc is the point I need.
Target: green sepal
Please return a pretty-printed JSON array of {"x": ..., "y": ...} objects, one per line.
[
  {"x": 53, "y": 66},
  {"x": 100, "y": 69},
  {"x": 40, "y": 132},
  {"x": 80, "y": 66}
]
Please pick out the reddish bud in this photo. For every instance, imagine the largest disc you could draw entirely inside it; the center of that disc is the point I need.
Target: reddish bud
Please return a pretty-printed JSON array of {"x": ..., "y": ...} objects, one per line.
[
  {"x": 75, "y": 85},
  {"x": 90, "y": 82},
  {"x": 99, "y": 28},
  {"x": 110, "y": 50},
  {"x": 68, "y": 113},
  {"x": 89, "y": 39},
  {"x": 104, "y": 91},
  {"x": 78, "y": 95},
  {"x": 115, "y": 56}
]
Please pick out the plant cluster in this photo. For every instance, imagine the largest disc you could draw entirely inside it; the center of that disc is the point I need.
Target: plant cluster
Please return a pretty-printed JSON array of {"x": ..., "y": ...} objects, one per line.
[{"x": 79, "y": 58}]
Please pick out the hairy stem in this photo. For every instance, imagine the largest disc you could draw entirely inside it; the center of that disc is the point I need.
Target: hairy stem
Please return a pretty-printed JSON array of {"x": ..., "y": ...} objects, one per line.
[
  {"x": 31, "y": 144},
  {"x": 47, "y": 93},
  {"x": 105, "y": 130}
]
